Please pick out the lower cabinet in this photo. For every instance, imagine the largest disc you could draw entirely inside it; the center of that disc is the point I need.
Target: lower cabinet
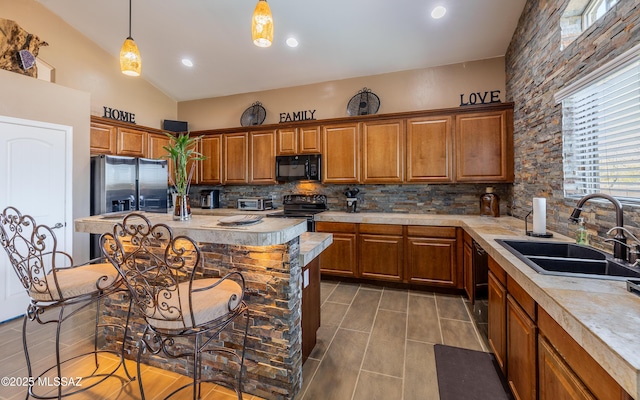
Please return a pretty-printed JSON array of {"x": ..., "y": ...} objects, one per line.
[
  {"x": 497, "y": 314},
  {"x": 310, "y": 306},
  {"x": 540, "y": 359},
  {"x": 432, "y": 256},
  {"x": 398, "y": 253},
  {"x": 556, "y": 379},
  {"x": 339, "y": 259},
  {"x": 521, "y": 351},
  {"x": 380, "y": 252}
]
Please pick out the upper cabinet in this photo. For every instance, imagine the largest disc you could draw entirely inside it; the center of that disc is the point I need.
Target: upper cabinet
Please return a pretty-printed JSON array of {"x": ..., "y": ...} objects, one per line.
[
  {"x": 341, "y": 153},
  {"x": 383, "y": 151},
  {"x": 262, "y": 150},
  {"x": 210, "y": 172},
  {"x": 429, "y": 149},
  {"x": 236, "y": 161},
  {"x": 302, "y": 140},
  {"x": 102, "y": 138},
  {"x": 463, "y": 144},
  {"x": 131, "y": 142},
  {"x": 484, "y": 147}
]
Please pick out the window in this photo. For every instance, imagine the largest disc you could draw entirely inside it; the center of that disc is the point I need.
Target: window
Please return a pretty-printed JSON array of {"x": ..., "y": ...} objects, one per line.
[
  {"x": 595, "y": 9},
  {"x": 601, "y": 131},
  {"x": 579, "y": 15}
]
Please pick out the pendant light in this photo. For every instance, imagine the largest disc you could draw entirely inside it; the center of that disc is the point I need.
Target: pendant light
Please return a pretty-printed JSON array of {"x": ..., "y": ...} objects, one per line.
[
  {"x": 262, "y": 25},
  {"x": 130, "y": 61}
]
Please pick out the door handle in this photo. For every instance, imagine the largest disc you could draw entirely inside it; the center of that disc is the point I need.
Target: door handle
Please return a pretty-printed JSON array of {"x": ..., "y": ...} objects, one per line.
[{"x": 58, "y": 225}]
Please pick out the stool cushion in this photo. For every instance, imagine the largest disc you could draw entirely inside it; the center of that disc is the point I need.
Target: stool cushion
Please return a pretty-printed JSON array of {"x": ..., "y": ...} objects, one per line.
[
  {"x": 208, "y": 305},
  {"x": 76, "y": 281}
]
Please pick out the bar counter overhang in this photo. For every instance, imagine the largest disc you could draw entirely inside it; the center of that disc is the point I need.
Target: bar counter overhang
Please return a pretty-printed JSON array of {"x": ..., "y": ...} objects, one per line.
[{"x": 269, "y": 256}]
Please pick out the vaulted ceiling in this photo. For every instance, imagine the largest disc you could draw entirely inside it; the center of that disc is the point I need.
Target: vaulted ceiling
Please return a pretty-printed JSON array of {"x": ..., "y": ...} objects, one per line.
[{"x": 338, "y": 39}]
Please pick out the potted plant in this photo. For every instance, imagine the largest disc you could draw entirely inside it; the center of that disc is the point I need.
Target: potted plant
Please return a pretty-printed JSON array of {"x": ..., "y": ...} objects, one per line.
[{"x": 182, "y": 155}]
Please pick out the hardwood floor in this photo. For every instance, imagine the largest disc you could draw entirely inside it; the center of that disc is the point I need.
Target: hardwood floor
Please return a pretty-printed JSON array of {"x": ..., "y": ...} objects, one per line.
[
  {"x": 373, "y": 343},
  {"x": 76, "y": 338}
]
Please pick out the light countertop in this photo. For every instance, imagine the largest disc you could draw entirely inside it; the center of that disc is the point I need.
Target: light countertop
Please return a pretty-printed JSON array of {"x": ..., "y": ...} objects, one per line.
[
  {"x": 601, "y": 315},
  {"x": 207, "y": 228}
]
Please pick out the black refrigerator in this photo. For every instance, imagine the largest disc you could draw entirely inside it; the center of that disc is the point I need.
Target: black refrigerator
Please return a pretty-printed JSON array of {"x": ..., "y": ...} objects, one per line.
[{"x": 121, "y": 184}]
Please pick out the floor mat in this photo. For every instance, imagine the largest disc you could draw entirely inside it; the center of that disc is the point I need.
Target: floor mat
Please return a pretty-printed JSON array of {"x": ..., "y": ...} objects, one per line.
[{"x": 469, "y": 374}]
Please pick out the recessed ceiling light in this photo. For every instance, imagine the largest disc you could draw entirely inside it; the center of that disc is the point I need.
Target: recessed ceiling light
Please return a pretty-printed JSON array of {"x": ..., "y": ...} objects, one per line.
[
  {"x": 292, "y": 42},
  {"x": 187, "y": 62},
  {"x": 438, "y": 12}
]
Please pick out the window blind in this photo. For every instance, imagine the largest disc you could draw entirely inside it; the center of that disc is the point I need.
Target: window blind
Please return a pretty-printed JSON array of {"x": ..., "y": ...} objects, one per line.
[{"x": 601, "y": 136}]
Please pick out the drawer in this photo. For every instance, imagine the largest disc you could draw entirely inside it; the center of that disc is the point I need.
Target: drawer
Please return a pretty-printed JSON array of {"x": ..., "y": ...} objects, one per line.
[
  {"x": 381, "y": 229},
  {"x": 432, "y": 231},
  {"x": 498, "y": 271},
  {"x": 522, "y": 297},
  {"x": 322, "y": 226}
]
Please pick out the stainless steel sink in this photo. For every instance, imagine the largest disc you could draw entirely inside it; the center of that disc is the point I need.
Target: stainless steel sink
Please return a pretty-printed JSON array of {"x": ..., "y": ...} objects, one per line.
[{"x": 569, "y": 259}]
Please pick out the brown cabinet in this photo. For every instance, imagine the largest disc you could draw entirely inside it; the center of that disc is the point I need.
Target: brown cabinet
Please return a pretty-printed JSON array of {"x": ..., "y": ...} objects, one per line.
[
  {"x": 341, "y": 153},
  {"x": 210, "y": 169},
  {"x": 340, "y": 258},
  {"x": 102, "y": 138},
  {"x": 380, "y": 252},
  {"x": 484, "y": 146},
  {"x": 302, "y": 140},
  {"x": 262, "y": 151},
  {"x": 310, "y": 306},
  {"x": 155, "y": 149},
  {"x": 405, "y": 254},
  {"x": 383, "y": 151},
  {"x": 432, "y": 256},
  {"x": 131, "y": 142},
  {"x": 467, "y": 266},
  {"x": 521, "y": 351},
  {"x": 429, "y": 150},
  {"x": 539, "y": 359},
  {"x": 497, "y": 314},
  {"x": 236, "y": 161},
  {"x": 556, "y": 379}
]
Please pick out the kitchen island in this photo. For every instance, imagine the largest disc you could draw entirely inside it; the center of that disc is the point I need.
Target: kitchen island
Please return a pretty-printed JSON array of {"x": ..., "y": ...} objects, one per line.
[
  {"x": 271, "y": 256},
  {"x": 601, "y": 316}
]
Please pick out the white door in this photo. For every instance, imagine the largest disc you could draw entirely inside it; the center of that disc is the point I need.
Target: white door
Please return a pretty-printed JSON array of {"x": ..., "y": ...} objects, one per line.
[{"x": 35, "y": 177}]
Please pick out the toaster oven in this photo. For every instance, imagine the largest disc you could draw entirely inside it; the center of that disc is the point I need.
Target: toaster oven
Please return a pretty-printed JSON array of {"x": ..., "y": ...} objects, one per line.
[{"x": 254, "y": 204}]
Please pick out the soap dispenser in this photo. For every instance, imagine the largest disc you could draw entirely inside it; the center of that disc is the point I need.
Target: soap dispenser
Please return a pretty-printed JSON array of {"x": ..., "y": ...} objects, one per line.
[{"x": 582, "y": 236}]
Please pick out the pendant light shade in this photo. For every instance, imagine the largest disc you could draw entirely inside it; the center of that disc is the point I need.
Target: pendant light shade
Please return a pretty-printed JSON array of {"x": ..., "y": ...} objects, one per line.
[
  {"x": 262, "y": 25},
  {"x": 130, "y": 60}
]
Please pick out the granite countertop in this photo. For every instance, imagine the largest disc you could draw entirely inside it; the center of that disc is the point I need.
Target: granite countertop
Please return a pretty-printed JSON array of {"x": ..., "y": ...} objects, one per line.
[
  {"x": 601, "y": 315},
  {"x": 230, "y": 211},
  {"x": 207, "y": 228}
]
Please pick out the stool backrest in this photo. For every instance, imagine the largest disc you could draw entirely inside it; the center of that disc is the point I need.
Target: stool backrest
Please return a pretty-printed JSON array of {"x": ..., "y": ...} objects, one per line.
[
  {"x": 153, "y": 264},
  {"x": 33, "y": 253}
]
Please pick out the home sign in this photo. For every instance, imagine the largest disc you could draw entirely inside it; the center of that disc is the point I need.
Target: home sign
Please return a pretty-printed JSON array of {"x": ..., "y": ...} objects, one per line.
[
  {"x": 480, "y": 98},
  {"x": 305, "y": 115},
  {"x": 119, "y": 115}
]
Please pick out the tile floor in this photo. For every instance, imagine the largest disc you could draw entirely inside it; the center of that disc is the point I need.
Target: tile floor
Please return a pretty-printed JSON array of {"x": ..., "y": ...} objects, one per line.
[
  {"x": 377, "y": 343},
  {"x": 374, "y": 343}
]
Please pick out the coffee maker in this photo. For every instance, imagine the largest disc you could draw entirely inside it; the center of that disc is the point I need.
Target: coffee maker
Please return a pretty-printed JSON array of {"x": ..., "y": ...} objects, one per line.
[{"x": 210, "y": 198}]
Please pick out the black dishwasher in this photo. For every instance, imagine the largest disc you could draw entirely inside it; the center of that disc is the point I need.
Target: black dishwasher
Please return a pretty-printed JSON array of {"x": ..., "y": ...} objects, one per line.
[{"x": 480, "y": 280}]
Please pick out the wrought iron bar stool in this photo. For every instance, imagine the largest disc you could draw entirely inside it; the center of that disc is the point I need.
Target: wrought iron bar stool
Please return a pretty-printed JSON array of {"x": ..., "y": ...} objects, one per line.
[
  {"x": 179, "y": 303},
  {"x": 58, "y": 289}
]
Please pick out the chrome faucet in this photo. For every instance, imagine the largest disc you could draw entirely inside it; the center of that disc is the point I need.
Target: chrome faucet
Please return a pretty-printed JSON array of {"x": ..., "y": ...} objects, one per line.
[{"x": 620, "y": 240}]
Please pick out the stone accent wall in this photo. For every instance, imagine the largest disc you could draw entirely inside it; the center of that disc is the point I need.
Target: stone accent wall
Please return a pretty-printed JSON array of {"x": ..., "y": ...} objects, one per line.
[
  {"x": 536, "y": 68},
  {"x": 273, "y": 277},
  {"x": 411, "y": 198}
]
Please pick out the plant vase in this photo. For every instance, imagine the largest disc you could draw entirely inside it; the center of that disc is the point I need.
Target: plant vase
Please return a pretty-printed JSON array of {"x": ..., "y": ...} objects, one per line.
[{"x": 182, "y": 208}]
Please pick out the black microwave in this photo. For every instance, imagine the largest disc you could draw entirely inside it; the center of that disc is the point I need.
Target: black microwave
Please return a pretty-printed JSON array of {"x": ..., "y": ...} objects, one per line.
[{"x": 305, "y": 167}]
